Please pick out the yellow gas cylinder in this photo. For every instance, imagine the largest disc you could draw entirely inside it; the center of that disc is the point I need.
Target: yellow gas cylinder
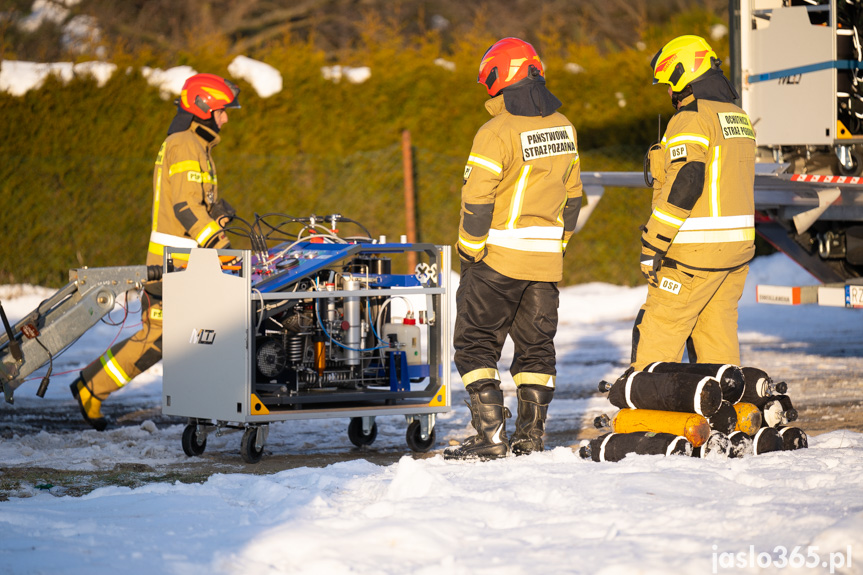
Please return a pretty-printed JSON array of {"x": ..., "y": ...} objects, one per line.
[
  {"x": 692, "y": 426},
  {"x": 748, "y": 418}
]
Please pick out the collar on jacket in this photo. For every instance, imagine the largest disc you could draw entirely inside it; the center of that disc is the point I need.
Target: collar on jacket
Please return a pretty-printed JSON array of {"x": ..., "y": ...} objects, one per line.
[
  {"x": 684, "y": 103},
  {"x": 206, "y": 133},
  {"x": 495, "y": 106}
]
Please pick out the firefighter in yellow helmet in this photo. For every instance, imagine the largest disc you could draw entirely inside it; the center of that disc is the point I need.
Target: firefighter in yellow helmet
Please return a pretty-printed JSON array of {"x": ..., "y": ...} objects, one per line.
[
  {"x": 187, "y": 213},
  {"x": 520, "y": 202},
  {"x": 699, "y": 238}
]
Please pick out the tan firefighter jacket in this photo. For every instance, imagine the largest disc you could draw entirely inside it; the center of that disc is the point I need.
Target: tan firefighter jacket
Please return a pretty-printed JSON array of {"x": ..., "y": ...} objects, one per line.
[
  {"x": 184, "y": 190},
  {"x": 703, "y": 202},
  {"x": 521, "y": 195}
]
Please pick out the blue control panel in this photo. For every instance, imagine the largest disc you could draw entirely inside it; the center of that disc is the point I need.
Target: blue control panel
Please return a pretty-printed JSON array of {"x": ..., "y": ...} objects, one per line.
[{"x": 288, "y": 263}]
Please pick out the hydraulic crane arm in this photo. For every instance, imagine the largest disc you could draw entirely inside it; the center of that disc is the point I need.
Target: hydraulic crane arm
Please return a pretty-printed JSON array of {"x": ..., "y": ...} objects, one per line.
[{"x": 62, "y": 318}]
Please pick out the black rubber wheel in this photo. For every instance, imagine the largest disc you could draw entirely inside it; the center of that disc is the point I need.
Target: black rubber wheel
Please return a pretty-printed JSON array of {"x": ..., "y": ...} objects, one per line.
[
  {"x": 356, "y": 435},
  {"x": 247, "y": 446},
  {"x": 191, "y": 445},
  {"x": 856, "y": 165},
  {"x": 417, "y": 443}
]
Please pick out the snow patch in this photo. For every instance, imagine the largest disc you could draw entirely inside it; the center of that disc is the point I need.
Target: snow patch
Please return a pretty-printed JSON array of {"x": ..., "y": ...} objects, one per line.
[{"x": 265, "y": 79}]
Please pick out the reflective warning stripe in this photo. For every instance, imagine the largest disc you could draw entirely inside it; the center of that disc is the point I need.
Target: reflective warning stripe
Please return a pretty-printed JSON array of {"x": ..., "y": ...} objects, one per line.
[
  {"x": 158, "y": 241},
  {"x": 481, "y": 373},
  {"x": 628, "y": 388},
  {"x": 514, "y": 66},
  {"x": 161, "y": 155},
  {"x": 487, "y": 163},
  {"x": 527, "y": 378},
  {"x": 528, "y": 245},
  {"x": 673, "y": 445},
  {"x": 698, "y": 390},
  {"x": 547, "y": 239},
  {"x": 714, "y": 182},
  {"x": 602, "y": 446},
  {"x": 208, "y": 232},
  {"x": 572, "y": 165},
  {"x": 157, "y": 196},
  {"x": 113, "y": 369},
  {"x": 666, "y": 218},
  {"x": 475, "y": 246},
  {"x": 827, "y": 179},
  {"x": 719, "y": 223},
  {"x": 714, "y": 236},
  {"x": 193, "y": 171},
  {"x": 689, "y": 139},
  {"x": 158, "y": 190},
  {"x": 184, "y": 166},
  {"x": 531, "y": 232},
  {"x": 518, "y": 197}
]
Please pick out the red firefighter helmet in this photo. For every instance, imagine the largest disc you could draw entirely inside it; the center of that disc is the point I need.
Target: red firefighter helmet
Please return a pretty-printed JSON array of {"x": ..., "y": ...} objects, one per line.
[
  {"x": 203, "y": 94},
  {"x": 507, "y": 62}
]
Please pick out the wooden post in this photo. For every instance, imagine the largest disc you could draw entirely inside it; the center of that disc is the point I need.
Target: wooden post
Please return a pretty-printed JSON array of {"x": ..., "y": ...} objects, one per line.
[{"x": 410, "y": 204}]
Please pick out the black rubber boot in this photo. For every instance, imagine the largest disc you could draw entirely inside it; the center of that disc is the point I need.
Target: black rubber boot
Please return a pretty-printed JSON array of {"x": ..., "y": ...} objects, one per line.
[
  {"x": 488, "y": 417},
  {"x": 90, "y": 406},
  {"x": 533, "y": 403}
]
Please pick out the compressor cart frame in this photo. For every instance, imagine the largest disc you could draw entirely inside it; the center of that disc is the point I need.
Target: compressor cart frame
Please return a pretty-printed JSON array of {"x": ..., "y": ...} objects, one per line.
[{"x": 303, "y": 331}]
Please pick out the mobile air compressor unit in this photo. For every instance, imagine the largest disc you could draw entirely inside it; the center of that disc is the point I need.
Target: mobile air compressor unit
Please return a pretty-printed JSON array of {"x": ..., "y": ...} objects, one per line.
[{"x": 305, "y": 330}]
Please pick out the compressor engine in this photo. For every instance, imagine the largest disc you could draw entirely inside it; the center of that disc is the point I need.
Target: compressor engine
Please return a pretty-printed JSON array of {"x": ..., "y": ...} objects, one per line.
[{"x": 333, "y": 339}]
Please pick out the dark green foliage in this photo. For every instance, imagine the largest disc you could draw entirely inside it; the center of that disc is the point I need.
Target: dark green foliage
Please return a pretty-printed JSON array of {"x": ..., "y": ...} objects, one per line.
[{"x": 77, "y": 159}]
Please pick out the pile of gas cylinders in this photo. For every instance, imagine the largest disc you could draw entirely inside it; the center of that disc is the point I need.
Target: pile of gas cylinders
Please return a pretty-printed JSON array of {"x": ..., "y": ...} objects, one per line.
[{"x": 697, "y": 409}]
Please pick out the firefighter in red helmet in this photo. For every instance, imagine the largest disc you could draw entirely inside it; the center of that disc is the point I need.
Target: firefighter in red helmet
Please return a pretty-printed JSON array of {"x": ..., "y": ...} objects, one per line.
[
  {"x": 520, "y": 202},
  {"x": 187, "y": 213}
]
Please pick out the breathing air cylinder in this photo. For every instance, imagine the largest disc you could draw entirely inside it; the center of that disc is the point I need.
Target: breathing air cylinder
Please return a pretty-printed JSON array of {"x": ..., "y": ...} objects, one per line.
[
  {"x": 777, "y": 410},
  {"x": 725, "y": 419},
  {"x": 748, "y": 418},
  {"x": 616, "y": 446},
  {"x": 730, "y": 376},
  {"x": 683, "y": 392},
  {"x": 766, "y": 440},
  {"x": 689, "y": 425},
  {"x": 793, "y": 438},
  {"x": 716, "y": 446},
  {"x": 758, "y": 384},
  {"x": 351, "y": 325},
  {"x": 739, "y": 445}
]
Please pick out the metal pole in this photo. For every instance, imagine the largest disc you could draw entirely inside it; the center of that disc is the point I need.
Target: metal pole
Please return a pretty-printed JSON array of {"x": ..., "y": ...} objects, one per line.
[
  {"x": 735, "y": 34},
  {"x": 410, "y": 206}
]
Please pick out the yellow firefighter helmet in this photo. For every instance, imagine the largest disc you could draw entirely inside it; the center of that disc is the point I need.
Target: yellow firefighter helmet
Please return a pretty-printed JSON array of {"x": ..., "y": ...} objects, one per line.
[{"x": 682, "y": 61}]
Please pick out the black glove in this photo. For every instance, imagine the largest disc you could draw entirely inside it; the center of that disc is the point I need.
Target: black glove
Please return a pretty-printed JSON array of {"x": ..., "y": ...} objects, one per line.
[
  {"x": 651, "y": 261},
  {"x": 222, "y": 212}
]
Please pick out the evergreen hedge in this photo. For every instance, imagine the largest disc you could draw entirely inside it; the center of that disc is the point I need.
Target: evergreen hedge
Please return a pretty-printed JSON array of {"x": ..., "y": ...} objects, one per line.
[{"x": 77, "y": 159}]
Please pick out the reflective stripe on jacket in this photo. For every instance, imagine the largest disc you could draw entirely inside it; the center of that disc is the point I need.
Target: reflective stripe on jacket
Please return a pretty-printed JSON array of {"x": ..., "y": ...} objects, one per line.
[
  {"x": 521, "y": 195},
  {"x": 184, "y": 188},
  {"x": 704, "y": 213}
]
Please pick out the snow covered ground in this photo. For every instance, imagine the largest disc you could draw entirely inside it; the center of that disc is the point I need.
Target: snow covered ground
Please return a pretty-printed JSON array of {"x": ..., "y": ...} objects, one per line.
[{"x": 797, "y": 512}]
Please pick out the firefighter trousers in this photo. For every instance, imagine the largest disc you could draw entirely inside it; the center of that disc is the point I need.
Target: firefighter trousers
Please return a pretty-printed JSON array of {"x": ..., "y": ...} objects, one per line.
[
  {"x": 701, "y": 305},
  {"x": 491, "y": 306},
  {"x": 127, "y": 359}
]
